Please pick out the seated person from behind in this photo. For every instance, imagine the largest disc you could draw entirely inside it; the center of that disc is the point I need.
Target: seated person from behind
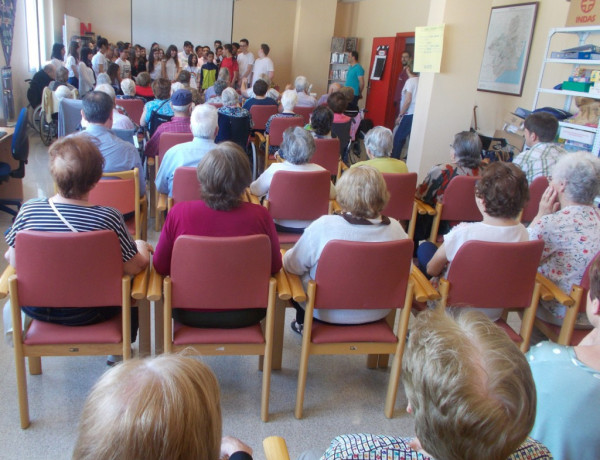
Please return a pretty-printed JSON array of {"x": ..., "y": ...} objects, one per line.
[
  {"x": 378, "y": 143},
  {"x": 500, "y": 194},
  {"x": 543, "y": 153},
  {"x": 332, "y": 89},
  {"x": 128, "y": 88},
  {"x": 360, "y": 220},
  {"x": 142, "y": 86},
  {"x": 185, "y": 77},
  {"x": 166, "y": 407},
  {"x": 338, "y": 103},
  {"x": 260, "y": 88},
  {"x": 223, "y": 174},
  {"x": 297, "y": 149},
  {"x": 288, "y": 102},
  {"x": 248, "y": 93},
  {"x": 320, "y": 123},
  {"x": 470, "y": 391},
  {"x": 182, "y": 106},
  {"x": 119, "y": 155},
  {"x": 231, "y": 109},
  {"x": 161, "y": 88},
  {"x": 566, "y": 421},
  {"x": 569, "y": 224},
  {"x": 301, "y": 86},
  {"x": 204, "y": 128},
  {"x": 76, "y": 167},
  {"x": 120, "y": 121},
  {"x": 62, "y": 75},
  {"x": 211, "y": 91}
]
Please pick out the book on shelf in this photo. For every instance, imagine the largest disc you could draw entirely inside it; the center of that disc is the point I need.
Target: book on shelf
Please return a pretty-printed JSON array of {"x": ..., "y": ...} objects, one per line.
[
  {"x": 575, "y": 55},
  {"x": 588, "y": 47}
]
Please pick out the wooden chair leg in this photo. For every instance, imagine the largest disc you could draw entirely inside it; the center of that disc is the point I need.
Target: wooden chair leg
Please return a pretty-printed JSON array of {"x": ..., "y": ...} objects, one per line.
[
  {"x": 35, "y": 365},
  {"x": 302, "y": 371},
  {"x": 392, "y": 390},
  {"x": 372, "y": 361},
  {"x": 22, "y": 389}
]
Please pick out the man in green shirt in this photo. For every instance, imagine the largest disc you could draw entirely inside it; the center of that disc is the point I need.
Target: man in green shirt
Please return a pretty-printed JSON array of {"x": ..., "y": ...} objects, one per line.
[{"x": 355, "y": 77}]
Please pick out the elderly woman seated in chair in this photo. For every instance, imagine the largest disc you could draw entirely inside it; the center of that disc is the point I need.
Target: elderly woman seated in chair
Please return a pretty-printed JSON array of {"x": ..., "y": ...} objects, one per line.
[
  {"x": 223, "y": 174},
  {"x": 231, "y": 109},
  {"x": 362, "y": 195},
  {"x": 297, "y": 149}
]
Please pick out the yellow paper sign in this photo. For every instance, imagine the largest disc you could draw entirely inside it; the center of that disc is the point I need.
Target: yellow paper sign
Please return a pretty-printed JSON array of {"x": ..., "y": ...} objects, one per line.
[{"x": 429, "y": 44}]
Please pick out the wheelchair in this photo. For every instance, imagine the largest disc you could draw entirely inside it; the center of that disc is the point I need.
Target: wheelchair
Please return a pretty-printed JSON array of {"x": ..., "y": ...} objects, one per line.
[{"x": 48, "y": 120}]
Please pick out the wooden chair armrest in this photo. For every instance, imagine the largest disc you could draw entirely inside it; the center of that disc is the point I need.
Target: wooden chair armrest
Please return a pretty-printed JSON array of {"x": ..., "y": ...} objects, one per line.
[
  {"x": 250, "y": 198},
  {"x": 275, "y": 448},
  {"x": 295, "y": 282},
  {"x": 550, "y": 291},
  {"x": 283, "y": 287},
  {"x": 261, "y": 137},
  {"x": 139, "y": 285},
  {"x": 155, "y": 283},
  {"x": 422, "y": 284},
  {"x": 161, "y": 204},
  {"x": 344, "y": 166},
  {"x": 335, "y": 206},
  {"x": 8, "y": 272},
  {"x": 424, "y": 208}
]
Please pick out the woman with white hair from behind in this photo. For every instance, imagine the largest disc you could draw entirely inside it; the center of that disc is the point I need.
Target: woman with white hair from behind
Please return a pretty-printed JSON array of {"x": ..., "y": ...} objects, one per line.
[
  {"x": 302, "y": 87},
  {"x": 120, "y": 121},
  {"x": 379, "y": 143},
  {"x": 231, "y": 109},
  {"x": 569, "y": 224}
]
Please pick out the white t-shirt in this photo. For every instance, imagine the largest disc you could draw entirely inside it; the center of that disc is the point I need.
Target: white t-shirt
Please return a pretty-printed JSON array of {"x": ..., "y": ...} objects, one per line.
[
  {"x": 244, "y": 60},
  {"x": 262, "y": 65},
  {"x": 97, "y": 61},
  {"x": 86, "y": 79},
  {"x": 171, "y": 69},
  {"x": 411, "y": 87},
  {"x": 121, "y": 121},
  {"x": 124, "y": 68},
  {"x": 69, "y": 64},
  {"x": 482, "y": 232},
  {"x": 303, "y": 258}
]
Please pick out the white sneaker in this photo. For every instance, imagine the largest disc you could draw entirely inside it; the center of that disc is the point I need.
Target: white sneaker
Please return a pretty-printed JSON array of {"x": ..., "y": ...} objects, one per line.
[{"x": 111, "y": 360}]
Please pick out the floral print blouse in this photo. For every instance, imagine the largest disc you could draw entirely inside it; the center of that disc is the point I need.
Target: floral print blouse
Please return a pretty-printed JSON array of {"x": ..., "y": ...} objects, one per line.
[{"x": 434, "y": 185}]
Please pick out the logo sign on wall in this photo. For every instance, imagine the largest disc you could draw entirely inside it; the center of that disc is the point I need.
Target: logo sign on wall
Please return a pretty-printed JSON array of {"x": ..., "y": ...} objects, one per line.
[{"x": 584, "y": 13}]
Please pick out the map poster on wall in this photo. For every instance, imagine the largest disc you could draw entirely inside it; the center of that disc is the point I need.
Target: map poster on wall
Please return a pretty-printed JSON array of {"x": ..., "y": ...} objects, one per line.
[{"x": 507, "y": 47}]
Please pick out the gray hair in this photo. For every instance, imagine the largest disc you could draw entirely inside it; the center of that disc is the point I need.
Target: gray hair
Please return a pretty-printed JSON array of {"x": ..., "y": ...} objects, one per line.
[
  {"x": 467, "y": 149},
  {"x": 224, "y": 74},
  {"x": 289, "y": 99},
  {"x": 379, "y": 141},
  {"x": 128, "y": 87},
  {"x": 204, "y": 121},
  {"x": 229, "y": 97},
  {"x": 581, "y": 173},
  {"x": 106, "y": 89},
  {"x": 220, "y": 86},
  {"x": 301, "y": 83},
  {"x": 298, "y": 145}
]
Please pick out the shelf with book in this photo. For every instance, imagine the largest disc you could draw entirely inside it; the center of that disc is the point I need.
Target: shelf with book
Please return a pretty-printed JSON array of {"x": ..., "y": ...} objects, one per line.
[{"x": 339, "y": 58}]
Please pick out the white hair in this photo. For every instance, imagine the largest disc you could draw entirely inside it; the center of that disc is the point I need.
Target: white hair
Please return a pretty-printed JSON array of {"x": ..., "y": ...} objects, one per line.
[
  {"x": 102, "y": 78},
  {"x": 379, "y": 141},
  {"x": 289, "y": 99},
  {"x": 204, "y": 121},
  {"x": 581, "y": 173},
  {"x": 107, "y": 89},
  {"x": 128, "y": 87},
  {"x": 177, "y": 85},
  {"x": 229, "y": 97},
  {"x": 301, "y": 83}
]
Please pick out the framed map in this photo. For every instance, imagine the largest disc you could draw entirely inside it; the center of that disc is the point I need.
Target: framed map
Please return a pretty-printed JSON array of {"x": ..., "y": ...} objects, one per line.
[{"x": 507, "y": 47}]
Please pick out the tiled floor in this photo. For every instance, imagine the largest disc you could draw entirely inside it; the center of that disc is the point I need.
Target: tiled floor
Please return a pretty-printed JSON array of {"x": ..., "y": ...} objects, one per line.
[{"x": 342, "y": 395}]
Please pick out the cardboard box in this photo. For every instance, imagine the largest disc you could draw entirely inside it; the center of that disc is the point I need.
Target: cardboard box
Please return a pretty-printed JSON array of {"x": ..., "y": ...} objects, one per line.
[
  {"x": 513, "y": 124},
  {"x": 583, "y": 13},
  {"x": 577, "y": 135}
]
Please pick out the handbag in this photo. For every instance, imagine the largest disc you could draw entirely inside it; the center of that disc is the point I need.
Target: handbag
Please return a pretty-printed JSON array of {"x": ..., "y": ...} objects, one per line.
[{"x": 157, "y": 119}]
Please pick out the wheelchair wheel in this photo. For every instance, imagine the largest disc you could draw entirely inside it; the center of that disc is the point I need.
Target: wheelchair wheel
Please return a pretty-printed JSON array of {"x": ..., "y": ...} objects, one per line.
[
  {"x": 46, "y": 129},
  {"x": 34, "y": 117}
]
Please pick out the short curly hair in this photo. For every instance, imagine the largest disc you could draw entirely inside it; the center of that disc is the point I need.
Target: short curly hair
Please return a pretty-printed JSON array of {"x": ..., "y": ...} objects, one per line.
[
  {"x": 321, "y": 120},
  {"x": 503, "y": 189}
]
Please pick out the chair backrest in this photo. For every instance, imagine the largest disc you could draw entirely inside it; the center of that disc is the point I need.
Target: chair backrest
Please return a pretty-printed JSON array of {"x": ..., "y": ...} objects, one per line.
[
  {"x": 20, "y": 140},
  {"x": 168, "y": 140},
  {"x": 459, "y": 200},
  {"x": 342, "y": 132},
  {"x": 234, "y": 129},
  {"x": 299, "y": 195},
  {"x": 305, "y": 112},
  {"x": 494, "y": 275},
  {"x": 327, "y": 154},
  {"x": 261, "y": 114},
  {"x": 585, "y": 284},
  {"x": 116, "y": 193},
  {"x": 133, "y": 107},
  {"x": 125, "y": 134},
  {"x": 69, "y": 269},
  {"x": 358, "y": 275},
  {"x": 185, "y": 185},
  {"x": 69, "y": 116},
  {"x": 402, "y": 195},
  {"x": 279, "y": 125},
  {"x": 214, "y": 265},
  {"x": 536, "y": 190}
]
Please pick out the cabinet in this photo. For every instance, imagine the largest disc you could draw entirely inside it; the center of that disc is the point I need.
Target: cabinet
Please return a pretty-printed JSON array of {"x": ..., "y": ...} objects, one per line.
[
  {"x": 546, "y": 95},
  {"x": 339, "y": 58}
]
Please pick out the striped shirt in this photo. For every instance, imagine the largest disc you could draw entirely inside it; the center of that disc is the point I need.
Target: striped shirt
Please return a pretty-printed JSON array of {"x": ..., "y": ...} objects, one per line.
[
  {"x": 37, "y": 215},
  {"x": 539, "y": 159}
]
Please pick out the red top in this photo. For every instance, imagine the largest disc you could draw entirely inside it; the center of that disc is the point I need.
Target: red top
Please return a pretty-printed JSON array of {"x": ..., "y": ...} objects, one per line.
[
  {"x": 144, "y": 91},
  {"x": 196, "y": 218},
  {"x": 231, "y": 65}
]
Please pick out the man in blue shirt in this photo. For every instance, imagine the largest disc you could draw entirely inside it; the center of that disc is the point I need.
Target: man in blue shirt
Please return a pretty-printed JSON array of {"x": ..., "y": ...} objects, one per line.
[{"x": 355, "y": 77}]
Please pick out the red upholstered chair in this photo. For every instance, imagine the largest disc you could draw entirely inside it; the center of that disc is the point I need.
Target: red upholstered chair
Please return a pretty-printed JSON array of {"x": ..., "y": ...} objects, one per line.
[
  {"x": 306, "y": 112},
  {"x": 496, "y": 275},
  {"x": 327, "y": 154},
  {"x": 275, "y": 136},
  {"x": 203, "y": 271},
  {"x": 166, "y": 141},
  {"x": 536, "y": 190},
  {"x": 458, "y": 205},
  {"x": 185, "y": 186},
  {"x": 402, "y": 204},
  {"x": 350, "y": 275},
  {"x": 133, "y": 107},
  {"x": 261, "y": 114},
  {"x": 576, "y": 302},
  {"x": 298, "y": 195},
  {"x": 124, "y": 195},
  {"x": 67, "y": 270}
]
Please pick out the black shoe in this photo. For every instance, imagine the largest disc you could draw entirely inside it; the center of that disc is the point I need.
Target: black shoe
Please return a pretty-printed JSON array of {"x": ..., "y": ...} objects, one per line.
[{"x": 296, "y": 327}]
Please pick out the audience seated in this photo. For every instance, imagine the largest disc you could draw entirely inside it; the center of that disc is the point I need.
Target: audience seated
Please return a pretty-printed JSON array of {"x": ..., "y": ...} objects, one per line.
[
  {"x": 332, "y": 89},
  {"x": 161, "y": 89},
  {"x": 39, "y": 81},
  {"x": 142, "y": 86},
  {"x": 288, "y": 102},
  {"x": 568, "y": 384},
  {"x": 542, "y": 153},
  {"x": 62, "y": 75},
  {"x": 320, "y": 123},
  {"x": 115, "y": 79},
  {"x": 470, "y": 391},
  {"x": 204, "y": 128},
  {"x": 223, "y": 174},
  {"x": 118, "y": 154},
  {"x": 184, "y": 77},
  {"x": 378, "y": 144},
  {"x": 120, "y": 121},
  {"x": 569, "y": 224},
  {"x": 166, "y": 407},
  {"x": 500, "y": 194},
  {"x": 182, "y": 106},
  {"x": 297, "y": 149},
  {"x": 128, "y": 88},
  {"x": 260, "y": 89},
  {"x": 214, "y": 93},
  {"x": 338, "y": 103},
  {"x": 302, "y": 86},
  {"x": 360, "y": 220},
  {"x": 231, "y": 109}
]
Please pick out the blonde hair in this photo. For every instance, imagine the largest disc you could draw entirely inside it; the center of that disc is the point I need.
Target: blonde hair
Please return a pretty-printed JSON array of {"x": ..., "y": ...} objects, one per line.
[
  {"x": 362, "y": 191},
  {"x": 166, "y": 407},
  {"x": 469, "y": 386}
]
